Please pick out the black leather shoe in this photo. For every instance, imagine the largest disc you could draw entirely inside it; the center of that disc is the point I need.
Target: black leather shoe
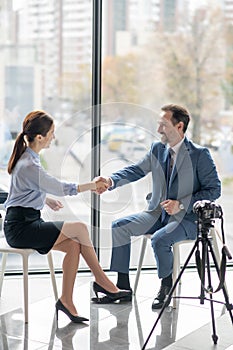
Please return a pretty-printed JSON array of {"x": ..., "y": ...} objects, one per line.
[
  {"x": 161, "y": 297},
  {"x": 73, "y": 318},
  {"x": 109, "y": 298}
]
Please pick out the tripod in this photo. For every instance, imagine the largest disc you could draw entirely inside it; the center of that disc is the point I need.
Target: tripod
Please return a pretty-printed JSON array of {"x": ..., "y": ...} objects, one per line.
[{"x": 203, "y": 267}]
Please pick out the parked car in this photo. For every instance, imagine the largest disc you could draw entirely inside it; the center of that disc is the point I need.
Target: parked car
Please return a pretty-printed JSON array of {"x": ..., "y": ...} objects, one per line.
[{"x": 116, "y": 135}]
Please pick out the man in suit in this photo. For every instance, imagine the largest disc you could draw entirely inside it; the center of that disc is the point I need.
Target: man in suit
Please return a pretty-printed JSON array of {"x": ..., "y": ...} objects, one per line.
[{"x": 182, "y": 173}]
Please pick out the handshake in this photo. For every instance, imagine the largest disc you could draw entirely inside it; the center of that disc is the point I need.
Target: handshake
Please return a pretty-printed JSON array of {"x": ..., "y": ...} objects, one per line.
[{"x": 102, "y": 184}]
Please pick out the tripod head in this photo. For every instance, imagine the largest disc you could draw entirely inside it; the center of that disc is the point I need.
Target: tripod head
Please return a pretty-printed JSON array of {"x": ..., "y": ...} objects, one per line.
[
  {"x": 204, "y": 227},
  {"x": 207, "y": 212}
]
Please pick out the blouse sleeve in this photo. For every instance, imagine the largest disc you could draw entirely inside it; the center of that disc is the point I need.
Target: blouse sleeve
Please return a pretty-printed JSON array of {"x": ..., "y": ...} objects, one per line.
[{"x": 36, "y": 178}]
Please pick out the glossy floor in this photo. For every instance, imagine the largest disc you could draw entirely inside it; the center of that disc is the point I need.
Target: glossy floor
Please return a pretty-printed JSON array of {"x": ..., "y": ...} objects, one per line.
[{"x": 116, "y": 327}]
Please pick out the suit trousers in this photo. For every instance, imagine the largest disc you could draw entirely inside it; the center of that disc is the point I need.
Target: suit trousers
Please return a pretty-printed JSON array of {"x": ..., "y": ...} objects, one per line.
[{"x": 164, "y": 235}]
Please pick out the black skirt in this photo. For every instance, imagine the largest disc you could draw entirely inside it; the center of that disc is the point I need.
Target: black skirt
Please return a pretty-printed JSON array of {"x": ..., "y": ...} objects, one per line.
[{"x": 24, "y": 228}]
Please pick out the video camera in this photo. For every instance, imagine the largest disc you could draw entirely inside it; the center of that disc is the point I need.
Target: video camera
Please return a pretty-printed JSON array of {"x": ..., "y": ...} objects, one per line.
[{"x": 207, "y": 210}]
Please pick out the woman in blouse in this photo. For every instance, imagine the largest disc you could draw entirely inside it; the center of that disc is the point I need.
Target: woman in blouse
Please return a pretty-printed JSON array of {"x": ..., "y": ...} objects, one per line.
[{"x": 23, "y": 225}]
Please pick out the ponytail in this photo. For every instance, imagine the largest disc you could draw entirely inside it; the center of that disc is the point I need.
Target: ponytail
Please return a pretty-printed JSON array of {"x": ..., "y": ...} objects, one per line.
[
  {"x": 19, "y": 148},
  {"x": 35, "y": 123}
]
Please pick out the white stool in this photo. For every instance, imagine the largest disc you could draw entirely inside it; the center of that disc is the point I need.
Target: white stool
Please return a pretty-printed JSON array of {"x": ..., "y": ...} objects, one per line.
[
  {"x": 5, "y": 249},
  {"x": 176, "y": 259}
]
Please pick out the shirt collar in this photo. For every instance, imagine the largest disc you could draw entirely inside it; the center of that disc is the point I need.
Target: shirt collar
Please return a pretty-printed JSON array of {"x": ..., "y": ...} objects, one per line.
[
  {"x": 34, "y": 154},
  {"x": 177, "y": 146}
]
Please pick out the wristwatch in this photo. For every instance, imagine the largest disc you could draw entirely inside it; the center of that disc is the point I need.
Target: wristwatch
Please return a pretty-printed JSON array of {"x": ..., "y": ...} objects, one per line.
[{"x": 181, "y": 206}]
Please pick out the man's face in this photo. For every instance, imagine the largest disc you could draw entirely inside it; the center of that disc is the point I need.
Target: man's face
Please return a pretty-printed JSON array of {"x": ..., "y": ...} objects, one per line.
[{"x": 170, "y": 134}]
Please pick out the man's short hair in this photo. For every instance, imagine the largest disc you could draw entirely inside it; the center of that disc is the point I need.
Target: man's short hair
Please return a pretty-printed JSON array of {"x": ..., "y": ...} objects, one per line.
[{"x": 179, "y": 114}]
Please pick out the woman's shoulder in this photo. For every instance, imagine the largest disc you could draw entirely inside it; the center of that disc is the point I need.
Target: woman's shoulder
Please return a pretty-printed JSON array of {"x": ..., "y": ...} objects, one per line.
[{"x": 26, "y": 161}]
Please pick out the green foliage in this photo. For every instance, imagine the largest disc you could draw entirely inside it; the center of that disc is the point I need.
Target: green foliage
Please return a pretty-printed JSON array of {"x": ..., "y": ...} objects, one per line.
[
  {"x": 227, "y": 181},
  {"x": 227, "y": 84},
  {"x": 120, "y": 79},
  {"x": 43, "y": 162},
  {"x": 189, "y": 71}
]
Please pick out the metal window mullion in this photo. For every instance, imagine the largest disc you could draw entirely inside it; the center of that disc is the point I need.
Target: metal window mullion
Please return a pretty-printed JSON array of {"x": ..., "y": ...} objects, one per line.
[{"x": 96, "y": 117}]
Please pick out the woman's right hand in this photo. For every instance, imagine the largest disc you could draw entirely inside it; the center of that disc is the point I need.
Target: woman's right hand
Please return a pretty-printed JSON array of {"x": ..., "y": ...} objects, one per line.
[{"x": 102, "y": 184}]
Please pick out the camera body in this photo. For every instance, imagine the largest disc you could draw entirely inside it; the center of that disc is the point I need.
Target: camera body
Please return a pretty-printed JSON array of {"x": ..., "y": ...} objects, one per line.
[{"x": 207, "y": 210}]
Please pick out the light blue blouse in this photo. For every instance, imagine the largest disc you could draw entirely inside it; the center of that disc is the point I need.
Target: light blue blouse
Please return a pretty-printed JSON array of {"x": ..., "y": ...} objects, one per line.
[{"x": 30, "y": 183}]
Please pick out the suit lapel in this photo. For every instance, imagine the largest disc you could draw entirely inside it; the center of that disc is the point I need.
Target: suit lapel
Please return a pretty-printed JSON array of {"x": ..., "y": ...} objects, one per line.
[
  {"x": 181, "y": 159},
  {"x": 164, "y": 161}
]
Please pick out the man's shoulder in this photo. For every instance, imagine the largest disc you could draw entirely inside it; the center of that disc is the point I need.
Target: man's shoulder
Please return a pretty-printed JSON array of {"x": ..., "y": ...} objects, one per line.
[
  {"x": 157, "y": 145},
  {"x": 194, "y": 146}
]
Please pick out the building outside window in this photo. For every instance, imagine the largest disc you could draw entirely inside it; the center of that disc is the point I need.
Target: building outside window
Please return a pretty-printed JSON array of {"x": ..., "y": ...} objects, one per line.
[{"x": 153, "y": 52}]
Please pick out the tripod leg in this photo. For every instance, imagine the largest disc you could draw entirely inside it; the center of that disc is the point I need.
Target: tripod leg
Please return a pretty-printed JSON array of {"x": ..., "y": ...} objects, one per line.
[
  {"x": 202, "y": 269},
  {"x": 166, "y": 303},
  {"x": 210, "y": 288}
]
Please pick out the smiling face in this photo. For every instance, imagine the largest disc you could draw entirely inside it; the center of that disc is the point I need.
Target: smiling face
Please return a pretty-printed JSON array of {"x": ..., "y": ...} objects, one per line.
[{"x": 170, "y": 134}]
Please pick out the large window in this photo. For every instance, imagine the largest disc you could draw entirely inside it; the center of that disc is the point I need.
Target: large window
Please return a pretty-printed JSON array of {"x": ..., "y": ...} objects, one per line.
[
  {"x": 45, "y": 63},
  {"x": 153, "y": 52},
  {"x": 158, "y": 52}
]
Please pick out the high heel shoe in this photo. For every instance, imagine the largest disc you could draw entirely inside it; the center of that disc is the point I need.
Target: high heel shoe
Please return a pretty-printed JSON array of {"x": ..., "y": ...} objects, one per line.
[
  {"x": 122, "y": 295},
  {"x": 75, "y": 319}
]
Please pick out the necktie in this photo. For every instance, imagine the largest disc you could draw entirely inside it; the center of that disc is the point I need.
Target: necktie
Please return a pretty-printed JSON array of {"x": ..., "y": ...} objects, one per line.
[{"x": 170, "y": 164}]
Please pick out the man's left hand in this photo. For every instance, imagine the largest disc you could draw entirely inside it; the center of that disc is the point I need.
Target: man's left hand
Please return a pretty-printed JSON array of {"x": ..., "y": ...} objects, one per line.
[{"x": 171, "y": 206}]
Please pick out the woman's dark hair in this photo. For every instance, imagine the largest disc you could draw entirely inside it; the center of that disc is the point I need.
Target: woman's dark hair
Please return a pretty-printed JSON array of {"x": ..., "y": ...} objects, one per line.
[
  {"x": 35, "y": 123},
  {"x": 179, "y": 114}
]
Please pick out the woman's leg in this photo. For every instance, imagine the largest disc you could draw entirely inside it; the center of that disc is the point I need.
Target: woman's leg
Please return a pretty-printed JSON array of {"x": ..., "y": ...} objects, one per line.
[
  {"x": 78, "y": 232},
  {"x": 69, "y": 267}
]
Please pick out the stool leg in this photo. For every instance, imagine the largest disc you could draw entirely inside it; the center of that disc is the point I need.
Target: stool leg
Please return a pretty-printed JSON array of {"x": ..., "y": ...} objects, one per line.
[
  {"x": 52, "y": 274},
  {"x": 213, "y": 234},
  {"x": 143, "y": 249},
  {"x": 4, "y": 257},
  {"x": 176, "y": 268},
  {"x": 215, "y": 245},
  {"x": 25, "y": 286}
]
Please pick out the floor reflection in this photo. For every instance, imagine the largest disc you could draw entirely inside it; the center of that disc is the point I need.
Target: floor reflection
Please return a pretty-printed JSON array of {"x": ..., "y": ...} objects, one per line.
[
  {"x": 168, "y": 323},
  {"x": 65, "y": 334},
  {"x": 13, "y": 331},
  {"x": 118, "y": 335},
  {"x": 124, "y": 326}
]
